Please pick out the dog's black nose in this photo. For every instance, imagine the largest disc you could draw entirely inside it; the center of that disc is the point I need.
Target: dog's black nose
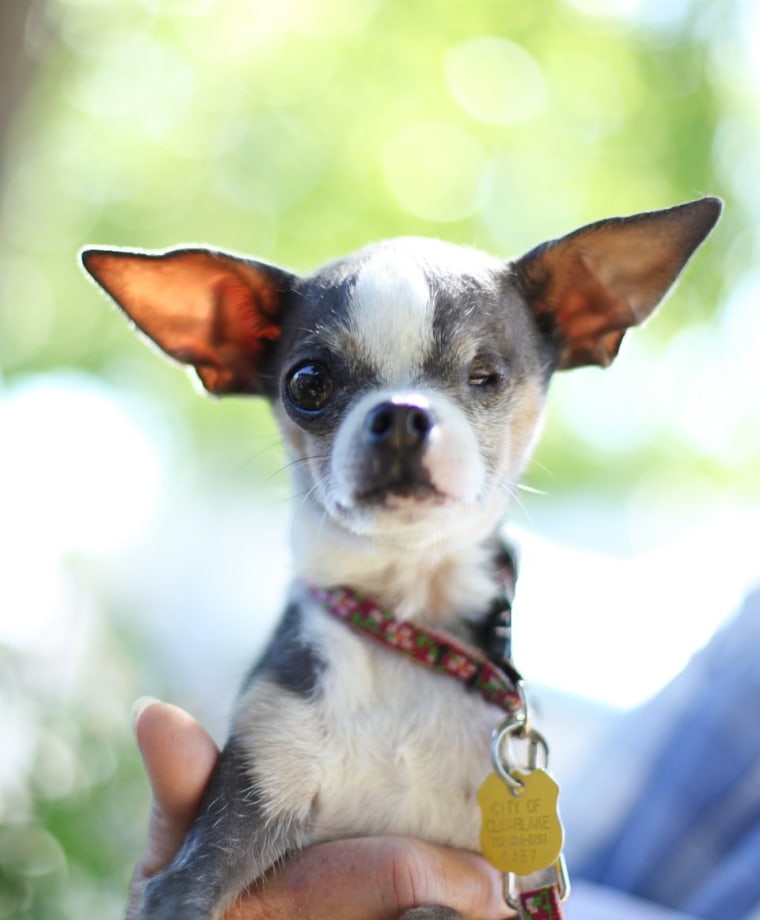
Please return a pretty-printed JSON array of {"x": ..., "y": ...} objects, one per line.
[{"x": 399, "y": 426}]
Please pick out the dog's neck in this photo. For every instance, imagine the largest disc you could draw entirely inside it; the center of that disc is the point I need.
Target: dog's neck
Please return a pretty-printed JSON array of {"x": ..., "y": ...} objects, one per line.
[{"x": 440, "y": 582}]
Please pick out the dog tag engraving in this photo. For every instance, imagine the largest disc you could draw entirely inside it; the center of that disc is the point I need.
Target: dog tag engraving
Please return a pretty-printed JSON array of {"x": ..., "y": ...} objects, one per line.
[{"x": 520, "y": 831}]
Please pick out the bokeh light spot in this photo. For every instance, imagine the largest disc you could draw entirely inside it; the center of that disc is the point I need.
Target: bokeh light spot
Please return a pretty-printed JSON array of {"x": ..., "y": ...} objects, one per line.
[
  {"x": 181, "y": 8},
  {"x": 32, "y": 851},
  {"x": 90, "y": 473},
  {"x": 321, "y": 18},
  {"x": 495, "y": 81},
  {"x": 273, "y": 164},
  {"x": 128, "y": 72},
  {"x": 434, "y": 171},
  {"x": 608, "y": 7},
  {"x": 594, "y": 89},
  {"x": 231, "y": 33},
  {"x": 513, "y": 214}
]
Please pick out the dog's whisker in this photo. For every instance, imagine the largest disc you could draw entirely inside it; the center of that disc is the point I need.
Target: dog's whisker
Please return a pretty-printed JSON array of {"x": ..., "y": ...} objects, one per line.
[
  {"x": 526, "y": 488},
  {"x": 296, "y": 463},
  {"x": 301, "y": 499},
  {"x": 511, "y": 490},
  {"x": 541, "y": 466}
]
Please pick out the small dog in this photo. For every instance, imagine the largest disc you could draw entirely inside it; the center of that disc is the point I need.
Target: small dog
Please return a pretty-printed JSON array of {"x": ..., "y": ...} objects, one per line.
[{"x": 408, "y": 380}]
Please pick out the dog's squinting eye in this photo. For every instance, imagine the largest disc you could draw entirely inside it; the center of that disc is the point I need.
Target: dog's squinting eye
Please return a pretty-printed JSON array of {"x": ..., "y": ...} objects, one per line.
[
  {"x": 484, "y": 373},
  {"x": 310, "y": 386}
]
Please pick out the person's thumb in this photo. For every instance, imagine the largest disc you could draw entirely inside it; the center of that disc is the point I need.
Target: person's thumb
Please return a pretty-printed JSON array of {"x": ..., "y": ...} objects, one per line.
[{"x": 179, "y": 756}]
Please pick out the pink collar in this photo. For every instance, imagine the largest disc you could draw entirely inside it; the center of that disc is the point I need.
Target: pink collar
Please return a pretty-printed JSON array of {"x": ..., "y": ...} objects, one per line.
[{"x": 429, "y": 647}]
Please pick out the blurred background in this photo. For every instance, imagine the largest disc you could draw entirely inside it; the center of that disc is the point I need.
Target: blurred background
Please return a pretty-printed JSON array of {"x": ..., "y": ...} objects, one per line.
[{"x": 144, "y": 528}]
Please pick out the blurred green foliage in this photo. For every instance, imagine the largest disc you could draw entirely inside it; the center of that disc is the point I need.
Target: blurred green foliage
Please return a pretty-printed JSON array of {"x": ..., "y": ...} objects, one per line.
[
  {"x": 299, "y": 129},
  {"x": 296, "y": 131},
  {"x": 71, "y": 815}
]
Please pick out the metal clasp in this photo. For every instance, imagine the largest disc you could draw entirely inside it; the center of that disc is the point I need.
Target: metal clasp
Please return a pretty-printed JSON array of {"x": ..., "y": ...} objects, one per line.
[{"x": 517, "y": 729}]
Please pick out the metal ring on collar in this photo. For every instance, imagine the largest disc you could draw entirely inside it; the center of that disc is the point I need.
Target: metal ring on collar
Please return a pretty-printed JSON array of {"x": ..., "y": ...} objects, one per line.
[{"x": 517, "y": 728}]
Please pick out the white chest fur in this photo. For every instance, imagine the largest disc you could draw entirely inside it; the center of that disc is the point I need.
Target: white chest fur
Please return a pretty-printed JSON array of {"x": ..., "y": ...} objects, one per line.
[{"x": 388, "y": 746}]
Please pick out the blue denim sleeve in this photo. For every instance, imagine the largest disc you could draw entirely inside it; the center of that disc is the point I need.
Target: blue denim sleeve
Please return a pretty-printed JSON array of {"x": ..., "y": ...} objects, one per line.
[{"x": 682, "y": 779}]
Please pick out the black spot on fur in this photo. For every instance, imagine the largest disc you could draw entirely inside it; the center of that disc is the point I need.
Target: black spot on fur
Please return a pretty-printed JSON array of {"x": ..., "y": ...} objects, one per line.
[{"x": 289, "y": 660}]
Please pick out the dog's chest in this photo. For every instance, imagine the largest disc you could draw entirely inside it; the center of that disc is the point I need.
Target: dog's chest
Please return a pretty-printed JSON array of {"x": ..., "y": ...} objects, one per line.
[{"x": 384, "y": 745}]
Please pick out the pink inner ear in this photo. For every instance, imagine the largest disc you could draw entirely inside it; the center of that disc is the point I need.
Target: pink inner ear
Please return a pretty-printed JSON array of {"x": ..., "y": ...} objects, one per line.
[
  {"x": 213, "y": 310},
  {"x": 249, "y": 317},
  {"x": 590, "y": 317},
  {"x": 243, "y": 320},
  {"x": 600, "y": 280}
]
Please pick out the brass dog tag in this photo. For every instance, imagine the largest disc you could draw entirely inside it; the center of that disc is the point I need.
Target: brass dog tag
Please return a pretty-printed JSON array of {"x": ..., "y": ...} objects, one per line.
[{"x": 520, "y": 830}]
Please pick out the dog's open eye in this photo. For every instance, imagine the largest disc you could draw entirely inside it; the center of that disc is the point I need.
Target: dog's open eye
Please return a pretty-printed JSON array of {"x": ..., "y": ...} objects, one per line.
[{"x": 310, "y": 386}]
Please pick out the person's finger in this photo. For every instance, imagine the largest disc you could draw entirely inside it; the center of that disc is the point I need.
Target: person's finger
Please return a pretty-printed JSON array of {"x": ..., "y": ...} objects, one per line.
[
  {"x": 179, "y": 756},
  {"x": 430, "y": 874},
  {"x": 375, "y": 878}
]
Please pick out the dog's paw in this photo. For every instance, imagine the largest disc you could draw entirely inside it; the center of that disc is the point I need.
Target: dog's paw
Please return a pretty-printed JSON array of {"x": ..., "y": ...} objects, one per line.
[{"x": 170, "y": 895}]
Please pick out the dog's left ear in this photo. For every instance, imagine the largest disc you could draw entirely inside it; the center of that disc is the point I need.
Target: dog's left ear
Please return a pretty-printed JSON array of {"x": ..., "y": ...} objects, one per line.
[
  {"x": 213, "y": 310},
  {"x": 588, "y": 287}
]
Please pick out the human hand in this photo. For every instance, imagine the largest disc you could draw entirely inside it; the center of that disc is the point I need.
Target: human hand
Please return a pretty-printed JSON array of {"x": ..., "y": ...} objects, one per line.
[{"x": 369, "y": 878}]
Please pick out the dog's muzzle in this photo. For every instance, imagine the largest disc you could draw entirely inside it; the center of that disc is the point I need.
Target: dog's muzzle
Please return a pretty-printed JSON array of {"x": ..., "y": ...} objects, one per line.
[{"x": 393, "y": 441}]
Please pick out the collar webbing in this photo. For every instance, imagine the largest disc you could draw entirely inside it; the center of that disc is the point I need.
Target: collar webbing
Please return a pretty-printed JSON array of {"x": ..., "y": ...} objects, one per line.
[
  {"x": 429, "y": 647},
  {"x": 541, "y": 904}
]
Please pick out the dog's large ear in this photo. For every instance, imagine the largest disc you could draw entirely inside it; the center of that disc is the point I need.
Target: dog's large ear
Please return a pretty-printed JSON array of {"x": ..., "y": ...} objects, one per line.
[
  {"x": 588, "y": 287},
  {"x": 213, "y": 310}
]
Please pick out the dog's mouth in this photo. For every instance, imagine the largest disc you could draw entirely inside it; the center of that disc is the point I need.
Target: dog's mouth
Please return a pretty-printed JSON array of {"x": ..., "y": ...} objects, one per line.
[
  {"x": 401, "y": 510},
  {"x": 388, "y": 496},
  {"x": 387, "y": 480}
]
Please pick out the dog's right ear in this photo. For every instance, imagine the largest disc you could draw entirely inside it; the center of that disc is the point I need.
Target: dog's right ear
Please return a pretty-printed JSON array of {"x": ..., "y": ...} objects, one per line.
[
  {"x": 587, "y": 288},
  {"x": 213, "y": 310}
]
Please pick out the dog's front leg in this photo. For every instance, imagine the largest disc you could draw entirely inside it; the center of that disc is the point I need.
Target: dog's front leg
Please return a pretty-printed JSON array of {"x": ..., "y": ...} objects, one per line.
[{"x": 233, "y": 841}]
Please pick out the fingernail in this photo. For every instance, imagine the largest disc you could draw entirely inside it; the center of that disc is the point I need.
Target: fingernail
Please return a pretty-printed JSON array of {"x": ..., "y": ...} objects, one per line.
[{"x": 140, "y": 705}]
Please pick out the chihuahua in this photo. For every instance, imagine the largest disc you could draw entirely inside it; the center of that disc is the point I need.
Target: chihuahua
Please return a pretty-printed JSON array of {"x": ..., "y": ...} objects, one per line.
[{"x": 408, "y": 380}]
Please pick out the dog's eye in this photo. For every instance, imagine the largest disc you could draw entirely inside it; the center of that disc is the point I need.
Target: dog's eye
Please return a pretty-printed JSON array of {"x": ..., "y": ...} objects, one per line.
[
  {"x": 484, "y": 373},
  {"x": 310, "y": 386}
]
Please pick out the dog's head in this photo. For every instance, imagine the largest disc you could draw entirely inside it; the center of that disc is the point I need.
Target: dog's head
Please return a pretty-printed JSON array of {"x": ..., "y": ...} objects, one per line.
[{"x": 408, "y": 378}]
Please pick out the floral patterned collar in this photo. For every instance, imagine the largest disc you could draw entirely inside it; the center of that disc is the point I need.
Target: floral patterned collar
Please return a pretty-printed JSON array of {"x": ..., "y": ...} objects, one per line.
[{"x": 496, "y": 680}]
